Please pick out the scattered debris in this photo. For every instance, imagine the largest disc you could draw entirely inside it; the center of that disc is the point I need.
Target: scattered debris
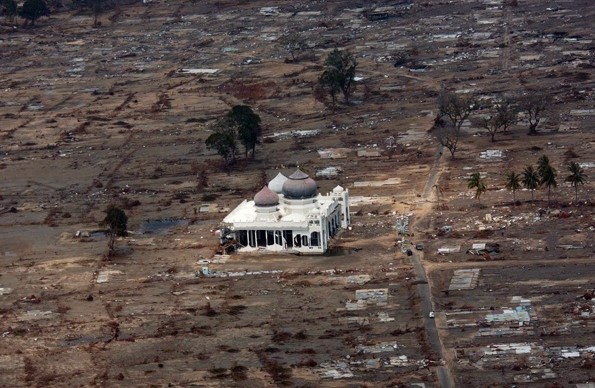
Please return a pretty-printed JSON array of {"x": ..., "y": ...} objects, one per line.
[
  {"x": 329, "y": 172},
  {"x": 334, "y": 370},
  {"x": 378, "y": 348}
]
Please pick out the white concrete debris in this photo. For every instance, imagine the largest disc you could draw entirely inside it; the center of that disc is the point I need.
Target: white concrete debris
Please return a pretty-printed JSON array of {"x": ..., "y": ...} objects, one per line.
[
  {"x": 357, "y": 305},
  {"x": 103, "y": 276},
  {"x": 244, "y": 273},
  {"x": 512, "y": 348},
  {"x": 328, "y": 172},
  {"x": 296, "y": 134},
  {"x": 334, "y": 370},
  {"x": 198, "y": 71},
  {"x": 269, "y": 11},
  {"x": 446, "y": 250},
  {"x": 384, "y": 317},
  {"x": 386, "y": 182},
  {"x": 372, "y": 295},
  {"x": 36, "y": 314},
  {"x": 358, "y": 279},
  {"x": 382, "y": 347},
  {"x": 333, "y": 153},
  {"x": 491, "y": 154},
  {"x": 368, "y": 153},
  {"x": 582, "y": 112},
  {"x": 5, "y": 290}
]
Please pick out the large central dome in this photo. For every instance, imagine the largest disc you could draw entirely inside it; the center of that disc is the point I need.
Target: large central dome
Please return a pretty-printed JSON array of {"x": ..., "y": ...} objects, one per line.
[{"x": 299, "y": 186}]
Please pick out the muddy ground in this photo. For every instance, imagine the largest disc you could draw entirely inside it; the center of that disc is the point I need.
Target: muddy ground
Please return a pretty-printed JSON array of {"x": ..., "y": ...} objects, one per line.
[{"x": 94, "y": 116}]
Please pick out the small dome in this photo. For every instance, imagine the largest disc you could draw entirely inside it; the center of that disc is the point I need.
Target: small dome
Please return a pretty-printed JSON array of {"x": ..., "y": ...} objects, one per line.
[
  {"x": 276, "y": 184},
  {"x": 338, "y": 189},
  {"x": 299, "y": 186},
  {"x": 266, "y": 197}
]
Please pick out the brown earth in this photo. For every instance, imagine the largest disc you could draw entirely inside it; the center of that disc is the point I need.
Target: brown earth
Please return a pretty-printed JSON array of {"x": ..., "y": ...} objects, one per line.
[{"x": 94, "y": 116}]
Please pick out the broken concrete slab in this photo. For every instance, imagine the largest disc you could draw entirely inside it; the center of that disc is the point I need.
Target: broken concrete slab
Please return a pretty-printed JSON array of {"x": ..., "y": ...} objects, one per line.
[
  {"x": 103, "y": 276},
  {"x": 464, "y": 279},
  {"x": 388, "y": 181}
]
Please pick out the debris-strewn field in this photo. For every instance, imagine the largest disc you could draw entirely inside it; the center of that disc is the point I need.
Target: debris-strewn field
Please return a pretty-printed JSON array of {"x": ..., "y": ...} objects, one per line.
[{"x": 119, "y": 114}]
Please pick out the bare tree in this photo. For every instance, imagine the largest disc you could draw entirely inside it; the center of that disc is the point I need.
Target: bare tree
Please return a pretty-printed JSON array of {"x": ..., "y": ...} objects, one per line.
[
  {"x": 501, "y": 115},
  {"x": 535, "y": 105},
  {"x": 448, "y": 136},
  {"x": 293, "y": 43},
  {"x": 96, "y": 7},
  {"x": 457, "y": 107}
]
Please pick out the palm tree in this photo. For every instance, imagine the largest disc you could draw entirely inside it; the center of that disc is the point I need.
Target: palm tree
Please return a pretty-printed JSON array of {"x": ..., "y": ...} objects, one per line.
[
  {"x": 577, "y": 177},
  {"x": 547, "y": 174},
  {"x": 477, "y": 183},
  {"x": 543, "y": 163},
  {"x": 530, "y": 179},
  {"x": 513, "y": 183},
  {"x": 548, "y": 178}
]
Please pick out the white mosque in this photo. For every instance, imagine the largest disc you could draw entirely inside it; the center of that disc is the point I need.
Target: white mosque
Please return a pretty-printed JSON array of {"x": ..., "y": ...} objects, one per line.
[{"x": 287, "y": 215}]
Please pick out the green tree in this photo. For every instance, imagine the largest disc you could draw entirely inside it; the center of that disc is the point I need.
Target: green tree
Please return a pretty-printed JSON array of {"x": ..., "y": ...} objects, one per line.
[
  {"x": 116, "y": 222},
  {"x": 548, "y": 179},
  {"x": 11, "y": 9},
  {"x": 547, "y": 174},
  {"x": 476, "y": 182},
  {"x": 530, "y": 179},
  {"x": 543, "y": 163},
  {"x": 577, "y": 177},
  {"x": 513, "y": 183},
  {"x": 327, "y": 84},
  {"x": 224, "y": 142},
  {"x": 339, "y": 74},
  {"x": 33, "y": 10},
  {"x": 247, "y": 124}
]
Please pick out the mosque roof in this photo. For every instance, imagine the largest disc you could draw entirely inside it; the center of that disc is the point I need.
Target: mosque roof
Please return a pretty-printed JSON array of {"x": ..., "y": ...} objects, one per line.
[
  {"x": 266, "y": 197},
  {"x": 276, "y": 184},
  {"x": 299, "y": 185}
]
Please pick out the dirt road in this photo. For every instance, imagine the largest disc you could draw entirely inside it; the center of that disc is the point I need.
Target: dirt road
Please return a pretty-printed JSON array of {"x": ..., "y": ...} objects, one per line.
[{"x": 424, "y": 289}]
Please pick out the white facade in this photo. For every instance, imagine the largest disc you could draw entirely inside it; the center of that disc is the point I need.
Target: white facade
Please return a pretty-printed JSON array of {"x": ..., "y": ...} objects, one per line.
[{"x": 288, "y": 215}]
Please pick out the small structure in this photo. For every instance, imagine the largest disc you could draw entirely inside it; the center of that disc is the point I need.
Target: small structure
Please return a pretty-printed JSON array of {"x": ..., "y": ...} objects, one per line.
[{"x": 287, "y": 215}]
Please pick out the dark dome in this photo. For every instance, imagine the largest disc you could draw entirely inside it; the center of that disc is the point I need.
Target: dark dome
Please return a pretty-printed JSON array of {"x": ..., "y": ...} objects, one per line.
[
  {"x": 266, "y": 197},
  {"x": 299, "y": 186}
]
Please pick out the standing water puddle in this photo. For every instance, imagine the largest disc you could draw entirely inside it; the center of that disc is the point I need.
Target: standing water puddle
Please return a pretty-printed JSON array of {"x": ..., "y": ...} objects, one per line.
[{"x": 161, "y": 226}]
